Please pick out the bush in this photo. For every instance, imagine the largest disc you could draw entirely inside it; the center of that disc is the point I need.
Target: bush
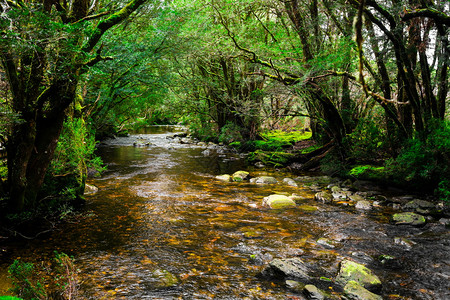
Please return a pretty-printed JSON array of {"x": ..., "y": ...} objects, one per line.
[
  {"x": 425, "y": 160},
  {"x": 230, "y": 133},
  {"x": 59, "y": 281},
  {"x": 367, "y": 141}
]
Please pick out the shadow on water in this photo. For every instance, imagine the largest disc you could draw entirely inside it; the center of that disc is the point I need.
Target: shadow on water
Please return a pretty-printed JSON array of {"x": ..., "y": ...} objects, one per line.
[{"x": 159, "y": 209}]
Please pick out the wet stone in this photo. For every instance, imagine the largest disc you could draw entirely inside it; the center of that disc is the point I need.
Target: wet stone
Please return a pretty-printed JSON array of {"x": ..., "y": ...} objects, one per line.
[
  {"x": 312, "y": 292},
  {"x": 264, "y": 180},
  {"x": 363, "y": 205},
  {"x": 295, "y": 286},
  {"x": 324, "y": 197},
  {"x": 290, "y": 182},
  {"x": 293, "y": 268},
  {"x": 278, "y": 202},
  {"x": 224, "y": 177},
  {"x": 90, "y": 189},
  {"x": 354, "y": 291},
  {"x": 327, "y": 243},
  {"x": 407, "y": 244},
  {"x": 408, "y": 218},
  {"x": 420, "y": 206},
  {"x": 240, "y": 176},
  {"x": 163, "y": 279},
  {"x": 352, "y": 271}
]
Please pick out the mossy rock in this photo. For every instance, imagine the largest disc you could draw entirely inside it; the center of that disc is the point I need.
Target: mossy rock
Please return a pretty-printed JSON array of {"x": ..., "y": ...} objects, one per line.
[
  {"x": 324, "y": 197},
  {"x": 9, "y": 298},
  {"x": 354, "y": 291},
  {"x": 240, "y": 176},
  {"x": 264, "y": 180},
  {"x": 279, "y": 202},
  {"x": 163, "y": 279},
  {"x": 408, "y": 218},
  {"x": 352, "y": 271}
]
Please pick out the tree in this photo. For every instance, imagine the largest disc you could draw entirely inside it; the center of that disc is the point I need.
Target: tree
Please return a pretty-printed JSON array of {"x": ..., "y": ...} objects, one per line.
[{"x": 46, "y": 46}]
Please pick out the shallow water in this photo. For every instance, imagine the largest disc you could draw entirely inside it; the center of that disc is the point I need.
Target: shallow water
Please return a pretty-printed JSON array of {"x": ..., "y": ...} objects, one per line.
[{"x": 160, "y": 208}]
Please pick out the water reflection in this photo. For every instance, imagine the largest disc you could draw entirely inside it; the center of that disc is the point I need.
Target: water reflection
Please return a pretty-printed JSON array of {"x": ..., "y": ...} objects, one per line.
[{"x": 160, "y": 208}]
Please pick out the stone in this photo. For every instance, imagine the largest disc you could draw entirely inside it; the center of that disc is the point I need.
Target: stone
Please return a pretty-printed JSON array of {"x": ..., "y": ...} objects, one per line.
[
  {"x": 363, "y": 205},
  {"x": 290, "y": 181},
  {"x": 327, "y": 243},
  {"x": 352, "y": 271},
  {"x": 408, "y": 218},
  {"x": 354, "y": 291},
  {"x": 90, "y": 189},
  {"x": 163, "y": 279},
  {"x": 295, "y": 286},
  {"x": 420, "y": 206},
  {"x": 264, "y": 180},
  {"x": 356, "y": 198},
  {"x": 278, "y": 202},
  {"x": 224, "y": 177},
  {"x": 408, "y": 244},
  {"x": 293, "y": 268},
  {"x": 309, "y": 208},
  {"x": 312, "y": 292},
  {"x": 324, "y": 197},
  {"x": 240, "y": 176}
]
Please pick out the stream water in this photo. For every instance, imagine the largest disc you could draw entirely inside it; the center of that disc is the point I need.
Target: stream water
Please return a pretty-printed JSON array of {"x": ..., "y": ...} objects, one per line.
[{"x": 159, "y": 209}]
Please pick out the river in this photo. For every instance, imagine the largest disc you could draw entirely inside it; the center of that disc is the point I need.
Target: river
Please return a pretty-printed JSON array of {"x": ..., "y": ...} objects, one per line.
[{"x": 159, "y": 209}]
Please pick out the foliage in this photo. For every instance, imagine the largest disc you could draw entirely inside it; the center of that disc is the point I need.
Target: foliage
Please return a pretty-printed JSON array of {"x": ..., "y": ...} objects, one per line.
[
  {"x": 367, "y": 142},
  {"x": 24, "y": 281},
  {"x": 66, "y": 176},
  {"x": 230, "y": 133},
  {"x": 368, "y": 172},
  {"x": 30, "y": 283},
  {"x": 273, "y": 158},
  {"x": 425, "y": 160}
]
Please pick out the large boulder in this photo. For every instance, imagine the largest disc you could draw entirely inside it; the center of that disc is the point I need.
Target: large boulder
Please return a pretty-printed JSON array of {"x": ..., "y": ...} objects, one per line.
[
  {"x": 240, "y": 176},
  {"x": 278, "y": 202},
  {"x": 352, "y": 271},
  {"x": 293, "y": 268},
  {"x": 354, "y": 291},
  {"x": 408, "y": 218}
]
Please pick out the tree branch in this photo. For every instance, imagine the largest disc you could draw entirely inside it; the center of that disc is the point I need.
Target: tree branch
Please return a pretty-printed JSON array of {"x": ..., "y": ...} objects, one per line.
[
  {"x": 109, "y": 22},
  {"x": 431, "y": 13}
]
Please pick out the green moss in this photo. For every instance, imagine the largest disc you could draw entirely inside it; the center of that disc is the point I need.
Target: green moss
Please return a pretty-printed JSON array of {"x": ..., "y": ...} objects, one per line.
[
  {"x": 368, "y": 172},
  {"x": 276, "y": 158}
]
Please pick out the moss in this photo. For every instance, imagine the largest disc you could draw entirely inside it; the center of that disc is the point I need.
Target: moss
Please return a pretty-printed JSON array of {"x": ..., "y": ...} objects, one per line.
[{"x": 368, "y": 172}]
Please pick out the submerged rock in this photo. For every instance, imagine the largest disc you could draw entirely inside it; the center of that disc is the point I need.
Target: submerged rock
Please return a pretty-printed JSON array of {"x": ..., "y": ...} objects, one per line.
[
  {"x": 324, "y": 197},
  {"x": 293, "y": 268},
  {"x": 163, "y": 279},
  {"x": 354, "y": 291},
  {"x": 224, "y": 177},
  {"x": 363, "y": 205},
  {"x": 264, "y": 180},
  {"x": 290, "y": 181},
  {"x": 90, "y": 189},
  {"x": 352, "y": 271},
  {"x": 408, "y": 218},
  {"x": 240, "y": 176},
  {"x": 278, "y": 202}
]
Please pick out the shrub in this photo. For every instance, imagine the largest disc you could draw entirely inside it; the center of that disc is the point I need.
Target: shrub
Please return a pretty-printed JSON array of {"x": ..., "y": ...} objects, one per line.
[
  {"x": 425, "y": 160},
  {"x": 59, "y": 281}
]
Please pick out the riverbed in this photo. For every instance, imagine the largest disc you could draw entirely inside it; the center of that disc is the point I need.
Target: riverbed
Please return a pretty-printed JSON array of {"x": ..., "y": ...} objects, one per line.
[{"x": 160, "y": 210}]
